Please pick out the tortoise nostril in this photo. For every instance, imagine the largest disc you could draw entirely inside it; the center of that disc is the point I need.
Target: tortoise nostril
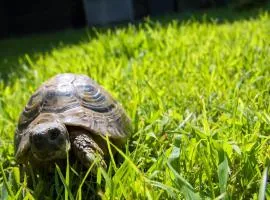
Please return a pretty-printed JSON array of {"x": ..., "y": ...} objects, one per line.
[
  {"x": 38, "y": 140},
  {"x": 53, "y": 133}
]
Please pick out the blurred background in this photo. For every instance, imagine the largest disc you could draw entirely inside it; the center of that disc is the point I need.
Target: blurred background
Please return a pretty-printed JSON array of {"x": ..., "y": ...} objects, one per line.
[{"x": 35, "y": 16}]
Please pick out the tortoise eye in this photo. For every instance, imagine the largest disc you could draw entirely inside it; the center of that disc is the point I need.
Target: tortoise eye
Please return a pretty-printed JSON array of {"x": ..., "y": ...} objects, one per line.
[{"x": 53, "y": 133}]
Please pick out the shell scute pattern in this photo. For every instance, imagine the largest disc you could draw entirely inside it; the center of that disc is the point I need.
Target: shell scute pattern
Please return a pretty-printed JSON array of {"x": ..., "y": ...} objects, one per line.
[
  {"x": 69, "y": 112},
  {"x": 32, "y": 109},
  {"x": 59, "y": 99},
  {"x": 93, "y": 96},
  {"x": 78, "y": 101}
]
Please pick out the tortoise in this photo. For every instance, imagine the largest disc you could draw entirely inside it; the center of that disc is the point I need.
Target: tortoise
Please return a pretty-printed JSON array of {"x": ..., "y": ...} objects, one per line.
[{"x": 69, "y": 113}]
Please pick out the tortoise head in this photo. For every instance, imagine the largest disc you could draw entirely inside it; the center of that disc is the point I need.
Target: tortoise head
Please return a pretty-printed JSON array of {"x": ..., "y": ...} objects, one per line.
[{"x": 48, "y": 139}]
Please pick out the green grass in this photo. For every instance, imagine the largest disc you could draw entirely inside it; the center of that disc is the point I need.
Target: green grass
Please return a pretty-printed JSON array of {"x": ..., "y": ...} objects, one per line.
[{"x": 198, "y": 94}]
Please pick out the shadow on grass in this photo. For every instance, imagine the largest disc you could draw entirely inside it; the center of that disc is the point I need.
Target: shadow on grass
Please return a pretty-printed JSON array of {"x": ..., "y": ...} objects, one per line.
[{"x": 13, "y": 51}]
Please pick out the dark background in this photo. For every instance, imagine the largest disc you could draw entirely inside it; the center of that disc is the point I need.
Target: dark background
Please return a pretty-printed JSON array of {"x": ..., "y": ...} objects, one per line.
[{"x": 19, "y": 17}]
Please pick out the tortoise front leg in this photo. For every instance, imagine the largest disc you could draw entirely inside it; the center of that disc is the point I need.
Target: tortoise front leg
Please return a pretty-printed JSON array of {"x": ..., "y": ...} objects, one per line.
[{"x": 87, "y": 150}]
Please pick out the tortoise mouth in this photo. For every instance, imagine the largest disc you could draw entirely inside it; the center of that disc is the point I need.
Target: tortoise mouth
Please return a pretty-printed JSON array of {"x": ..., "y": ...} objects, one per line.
[
  {"x": 59, "y": 153},
  {"x": 49, "y": 156}
]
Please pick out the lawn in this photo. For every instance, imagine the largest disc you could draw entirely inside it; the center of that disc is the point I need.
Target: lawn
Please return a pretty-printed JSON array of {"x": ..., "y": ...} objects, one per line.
[{"x": 197, "y": 92}]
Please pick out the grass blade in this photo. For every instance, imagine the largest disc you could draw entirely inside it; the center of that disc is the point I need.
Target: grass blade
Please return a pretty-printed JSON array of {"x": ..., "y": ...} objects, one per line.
[
  {"x": 223, "y": 171},
  {"x": 69, "y": 194},
  {"x": 10, "y": 192},
  {"x": 263, "y": 183},
  {"x": 79, "y": 193},
  {"x": 183, "y": 185},
  {"x": 67, "y": 177}
]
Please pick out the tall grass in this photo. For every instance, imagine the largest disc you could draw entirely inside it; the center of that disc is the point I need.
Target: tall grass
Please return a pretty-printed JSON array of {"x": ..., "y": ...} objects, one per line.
[{"x": 198, "y": 94}]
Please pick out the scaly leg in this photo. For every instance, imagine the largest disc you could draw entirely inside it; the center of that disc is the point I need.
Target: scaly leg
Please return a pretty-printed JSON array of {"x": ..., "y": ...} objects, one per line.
[{"x": 87, "y": 150}]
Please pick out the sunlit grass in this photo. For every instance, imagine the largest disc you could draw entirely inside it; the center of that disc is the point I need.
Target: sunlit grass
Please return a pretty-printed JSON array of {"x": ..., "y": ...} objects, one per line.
[{"x": 198, "y": 94}]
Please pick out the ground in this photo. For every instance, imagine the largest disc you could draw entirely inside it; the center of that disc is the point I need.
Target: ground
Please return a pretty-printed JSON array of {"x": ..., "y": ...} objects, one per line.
[{"x": 197, "y": 92}]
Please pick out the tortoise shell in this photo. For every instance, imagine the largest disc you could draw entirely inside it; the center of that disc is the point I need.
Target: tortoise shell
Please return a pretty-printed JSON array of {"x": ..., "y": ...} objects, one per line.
[{"x": 78, "y": 101}]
